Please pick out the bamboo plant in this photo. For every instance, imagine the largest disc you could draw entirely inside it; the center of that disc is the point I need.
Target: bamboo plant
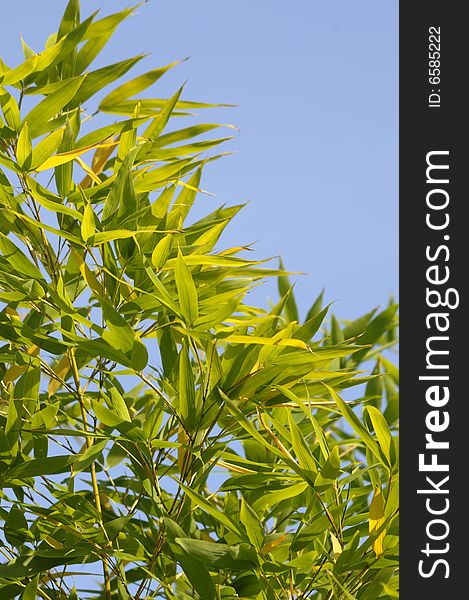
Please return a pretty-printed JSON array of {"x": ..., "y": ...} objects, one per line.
[{"x": 160, "y": 436}]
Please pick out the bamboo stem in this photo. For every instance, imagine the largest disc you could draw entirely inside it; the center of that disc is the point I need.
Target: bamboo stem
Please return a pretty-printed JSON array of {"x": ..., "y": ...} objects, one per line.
[{"x": 94, "y": 480}]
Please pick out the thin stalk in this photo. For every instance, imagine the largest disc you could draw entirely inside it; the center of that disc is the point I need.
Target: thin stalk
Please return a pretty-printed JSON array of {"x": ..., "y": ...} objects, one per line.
[{"x": 89, "y": 442}]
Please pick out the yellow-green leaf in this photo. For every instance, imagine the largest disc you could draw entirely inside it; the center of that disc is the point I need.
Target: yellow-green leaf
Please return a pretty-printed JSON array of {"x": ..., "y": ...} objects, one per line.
[
  {"x": 252, "y": 523},
  {"x": 187, "y": 393},
  {"x": 336, "y": 546},
  {"x": 252, "y": 339},
  {"x": 187, "y": 291},
  {"x": 45, "y": 148},
  {"x": 160, "y": 121},
  {"x": 88, "y": 225},
  {"x": 52, "y": 104},
  {"x": 24, "y": 148},
  {"x": 381, "y": 427},
  {"x": 10, "y": 110},
  {"x": 137, "y": 85},
  {"x": 161, "y": 251},
  {"x": 300, "y": 447},
  {"x": 376, "y": 521}
]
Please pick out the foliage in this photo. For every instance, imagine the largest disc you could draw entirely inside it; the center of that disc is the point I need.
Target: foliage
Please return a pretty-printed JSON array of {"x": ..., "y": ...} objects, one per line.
[{"x": 153, "y": 423}]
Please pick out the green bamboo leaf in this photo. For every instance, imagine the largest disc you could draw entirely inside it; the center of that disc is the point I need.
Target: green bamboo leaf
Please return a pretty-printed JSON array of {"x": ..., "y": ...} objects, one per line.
[
  {"x": 13, "y": 424},
  {"x": 27, "y": 51},
  {"x": 316, "y": 306},
  {"x": 97, "y": 80},
  {"x": 184, "y": 201},
  {"x": 309, "y": 329},
  {"x": 221, "y": 556},
  {"x": 376, "y": 329},
  {"x": 252, "y": 431},
  {"x": 250, "y": 520},
  {"x": 88, "y": 225},
  {"x": 285, "y": 289},
  {"x": 106, "y": 416},
  {"x": 187, "y": 292},
  {"x": 383, "y": 434},
  {"x": 45, "y": 148},
  {"x": 301, "y": 449},
  {"x": 9, "y": 163},
  {"x": 104, "y": 133},
  {"x": 16, "y": 527},
  {"x": 306, "y": 408},
  {"x": 64, "y": 172},
  {"x": 355, "y": 423},
  {"x": 70, "y": 19},
  {"x": 117, "y": 333},
  {"x": 148, "y": 181},
  {"x": 52, "y": 105},
  {"x": 391, "y": 369},
  {"x": 159, "y": 122},
  {"x": 103, "y": 237},
  {"x": 161, "y": 294},
  {"x": 117, "y": 405},
  {"x": 337, "y": 335},
  {"x": 30, "y": 591},
  {"x": 150, "y": 107},
  {"x": 39, "y": 225},
  {"x": 285, "y": 493},
  {"x": 211, "y": 509},
  {"x": 97, "y": 36},
  {"x": 188, "y": 133},
  {"x": 359, "y": 326},
  {"x": 50, "y": 201},
  {"x": 161, "y": 251},
  {"x": 43, "y": 466},
  {"x": 330, "y": 470},
  {"x": 139, "y": 357},
  {"x": 187, "y": 394},
  {"x": 24, "y": 148},
  {"x": 136, "y": 85},
  {"x": 10, "y": 110},
  {"x": 377, "y": 520},
  {"x": 195, "y": 570},
  {"x": 91, "y": 455},
  {"x": 114, "y": 198},
  {"x": 17, "y": 259}
]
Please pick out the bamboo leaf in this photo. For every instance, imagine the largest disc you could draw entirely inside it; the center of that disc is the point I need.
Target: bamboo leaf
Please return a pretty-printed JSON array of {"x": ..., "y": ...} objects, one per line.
[
  {"x": 159, "y": 122},
  {"x": 88, "y": 225},
  {"x": 383, "y": 434},
  {"x": 65, "y": 157},
  {"x": 355, "y": 423},
  {"x": 136, "y": 85},
  {"x": 186, "y": 290},
  {"x": 210, "y": 509},
  {"x": 161, "y": 251},
  {"x": 376, "y": 521},
  {"x": 187, "y": 395},
  {"x": 30, "y": 591},
  {"x": 45, "y": 148},
  {"x": 38, "y": 467},
  {"x": 251, "y": 522},
  {"x": 52, "y": 105},
  {"x": 18, "y": 259},
  {"x": 24, "y": 148}
]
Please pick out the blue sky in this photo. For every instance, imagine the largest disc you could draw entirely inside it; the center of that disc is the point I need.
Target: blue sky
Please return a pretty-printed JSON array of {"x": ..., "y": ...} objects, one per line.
[{"x": 317, "y": 93}]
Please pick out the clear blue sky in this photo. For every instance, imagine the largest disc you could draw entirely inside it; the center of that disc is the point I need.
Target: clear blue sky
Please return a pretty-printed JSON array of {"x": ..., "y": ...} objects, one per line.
[{"x": 317, "y": 89}]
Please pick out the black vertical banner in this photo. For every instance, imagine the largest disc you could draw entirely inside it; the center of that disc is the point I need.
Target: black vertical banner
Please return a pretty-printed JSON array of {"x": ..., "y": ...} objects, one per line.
[{"x": 434, "y": 270}]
